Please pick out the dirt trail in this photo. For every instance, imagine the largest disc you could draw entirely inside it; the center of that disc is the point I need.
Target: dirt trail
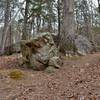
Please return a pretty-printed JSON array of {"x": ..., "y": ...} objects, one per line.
[{"x": 77, "y": 80}]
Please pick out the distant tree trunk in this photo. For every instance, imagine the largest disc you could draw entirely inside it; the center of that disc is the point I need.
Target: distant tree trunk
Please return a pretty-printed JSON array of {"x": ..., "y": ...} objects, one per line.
[
  {"x": 25, "y": 34},
  {"x": 6, "y": 31},
  {"x": 49, "y": 25},
  {"x": 87, "y": 20},
  {"x": 50, "y": 12},
  {"x": 9, "y": 38},
  {"x": 68, "y": 22},
  {"x": 38, "y": 23},
  {"x": 99, "y": 4},
  {"x": 59, "y": 22}
]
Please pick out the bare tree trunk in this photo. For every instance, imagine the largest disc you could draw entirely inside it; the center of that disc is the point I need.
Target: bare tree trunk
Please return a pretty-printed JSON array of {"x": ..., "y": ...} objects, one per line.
[
  {"x": 6, "y": 22},
  {"x": 87, "y": 20},
  {"x": 25, "y": 34},
  {"x": 59, "y": 22},
  {"x": 9, "y": 40},
  {"x": 38, "y": 23},
  {"x": 99, "y": 4},
  {"x": 6, "y": 27},
  {"x": 68, "y": 22}
]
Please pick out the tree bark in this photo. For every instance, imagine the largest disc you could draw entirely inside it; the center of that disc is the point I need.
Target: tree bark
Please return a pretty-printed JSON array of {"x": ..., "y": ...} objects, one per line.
[
  {"x": 7, "y": 25},
  {"x": 6, "y": 30},
  {"x": 59, "y": 23},
  {"x": 25, "y": 34},
  {"x": 68, "y": 22},
  {"x": 99, "y": 5}
]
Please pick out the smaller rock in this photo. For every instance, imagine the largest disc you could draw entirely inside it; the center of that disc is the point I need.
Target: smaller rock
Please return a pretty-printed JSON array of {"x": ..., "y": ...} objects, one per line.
[
  {"x": 54, "y": 61},
  {"x": 73, "y": 66},
  {"x": 82, "y": 70},
  {"x": 83, "y": 45},
  {"x": 87, "y": 64},
  {"x": 50, "y": 69}
]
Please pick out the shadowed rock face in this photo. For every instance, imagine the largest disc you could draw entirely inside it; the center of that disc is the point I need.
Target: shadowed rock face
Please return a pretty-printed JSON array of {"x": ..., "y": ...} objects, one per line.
[
  {"x": 77, "y": 45},
  {"x": 40, "y": 52},
  {"x": 83, "y": 45}
]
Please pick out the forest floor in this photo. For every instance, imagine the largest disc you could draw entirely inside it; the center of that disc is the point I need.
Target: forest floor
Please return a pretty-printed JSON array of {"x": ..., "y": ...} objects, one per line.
[{"x": 78, "y": 79}]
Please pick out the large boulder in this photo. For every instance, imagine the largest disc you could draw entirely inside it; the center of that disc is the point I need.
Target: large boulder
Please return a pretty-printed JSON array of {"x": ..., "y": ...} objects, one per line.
[
  {"x": 77, "y": 44},
  {"x": 40, "y": 52},
  {"x": 83, "y": 45},
  {"x": 97, "y": 39}
]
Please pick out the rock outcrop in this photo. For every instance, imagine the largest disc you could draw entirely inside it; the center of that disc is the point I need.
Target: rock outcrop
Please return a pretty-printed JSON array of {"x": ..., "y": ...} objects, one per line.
[
  {"x": 83, "y": 45},
  {"x": 78, "y": 44},
  {"x": 40, "y": 52}
]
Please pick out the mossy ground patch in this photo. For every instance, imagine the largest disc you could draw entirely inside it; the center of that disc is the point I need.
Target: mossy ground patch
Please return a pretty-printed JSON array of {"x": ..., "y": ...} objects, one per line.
[{"x": 16, "y": 74}]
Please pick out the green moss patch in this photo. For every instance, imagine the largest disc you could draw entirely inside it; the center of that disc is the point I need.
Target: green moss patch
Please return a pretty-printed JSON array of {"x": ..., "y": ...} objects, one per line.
[{"x": 16, "y": 74}]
